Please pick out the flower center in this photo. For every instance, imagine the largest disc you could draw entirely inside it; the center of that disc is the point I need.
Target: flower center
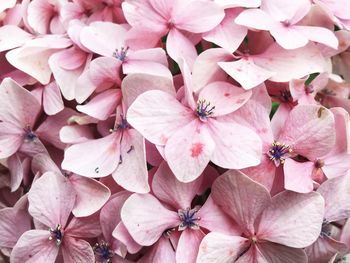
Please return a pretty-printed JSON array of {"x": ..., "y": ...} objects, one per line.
[
  {"x": 121, "y": 54},
  {"x": 103, "y": 253},
  {"x": 29, "y": 134},
  {"x": 56, "y": 234},
  {"x": 279, "y": 152},
  {"x": 286, "y": 96},
  {"x": 189, "y": 218},
  {"x": 204, "y": 110}
]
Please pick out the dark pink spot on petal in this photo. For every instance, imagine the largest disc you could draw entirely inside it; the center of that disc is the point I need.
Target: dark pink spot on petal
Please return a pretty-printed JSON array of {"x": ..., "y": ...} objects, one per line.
[
  {"x": 197, "y": 149},
  {"x": 227, "y": 94}
]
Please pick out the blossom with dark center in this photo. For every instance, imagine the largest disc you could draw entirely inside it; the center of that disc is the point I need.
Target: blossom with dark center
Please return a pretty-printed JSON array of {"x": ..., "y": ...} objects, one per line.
[
  {"x": 121, "y": 54},
  {"x": 29, "y": 134},
  {"x": 204, "y": 110},
  {"x": 56, "y": 234},
  {"x": 103, "y": 252},
  {"x": 279, "y": 152},
  {"x": 189, "y": 218}
]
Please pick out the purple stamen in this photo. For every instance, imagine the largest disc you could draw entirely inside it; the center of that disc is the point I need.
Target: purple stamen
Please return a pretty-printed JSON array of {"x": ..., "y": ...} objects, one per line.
[
  {"x": 103, "y": 253},
  {"x": 121, "y": 54},
  {"x": 204, "y": 110},
  {"x": 279, "y": 152},
  {"x": 56, "y": 234},
  {"x": 189, "y": 218}
]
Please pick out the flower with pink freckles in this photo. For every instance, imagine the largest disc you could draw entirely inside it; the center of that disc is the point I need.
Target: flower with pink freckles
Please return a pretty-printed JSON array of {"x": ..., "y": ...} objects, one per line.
[
  {"x": 195, "y": 130},
  {"x": 159, "y": 17},
  {"x": 51, "y": 200},
  {"x": 336, "y": 194},
  {"x": 274, "y": 229},
  {"x": 168, "y": 211},
  {"x": 282, "y": 20},
  {"x": 307, "y": 131}
]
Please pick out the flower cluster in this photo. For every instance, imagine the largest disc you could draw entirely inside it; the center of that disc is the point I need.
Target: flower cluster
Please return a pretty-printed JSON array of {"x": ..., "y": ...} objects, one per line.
[{"x": 163, "y": 131}]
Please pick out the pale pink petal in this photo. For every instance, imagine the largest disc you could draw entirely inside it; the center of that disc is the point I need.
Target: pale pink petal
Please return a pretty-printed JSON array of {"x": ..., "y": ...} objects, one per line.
[
  {"x": 187, "y": 248},
  {"x": 43, "y": 163},
  {"x": 289, "y": 37},
  {"x": 180, "y": 47},
  {"x": 52, "y": 99},
  {"x": 161, "y": 109},
  {"x": 214, "y": 219},
  {"x": 105, "y": 72},
  {"x": 336, "y": 165},
  {"x": 7, "y": 4},
  {"x": 40, "y": 12},
  {"x": 309, "y": 130},
  {"x": 189, "y": 161},
  {"x": 335, "y": 193},
  {"x": 342, "y": 140},
  {"x": 131, "y": 172},
  {"x": 244, "y": 199},
  {"x": 13, "y": 223},
  {"x": 94, "y": 158},
  {"x": 77, "y": 250},
  {"x": 146, "y": 218},
  {"x": 252, "y": 255},
  {"x": 319, "y": 34},
  {"x": 157, "y": 55},
  {"x": 227, "y": 34},
  {"x": 246, "y": 72},
  {"x": 75, "y": 134},
  {"x": 225, "y": 97},
  {"x": 236, "y": 146},
  {"x": 122, "y": 234},
  {"x": 206, "y": 69},
  {"x": 16, "y": 169},
  {"x": 12, "y": 36},
  {"x": 162, "y": 251},
  {"x": 221, "y": 248},
  {"x": 275, "y": 253},
  {"x": 236, "y": 3},
  {"x": 102, "y": 105},
  {"x": 345, "y": 235},
  {"x": 103, "y": 38},
  {"x": 11, "y": 139},
  {"x": 34, "y": 246},
  {"x": 51, "y": 199},
  {"x": 91, "y": 195},
  {"x": 197, "y": 16},
  {"x": 169, "y": 190},
  {"x": 136, "y": 84},
  {"x": 292, "y": 219},
  {"x": 291, "y": 64},
  {"x": 297, "y": 176},
  {"x": 84, "y": 227},
  {"x": 17, "y": 105},
  {"x": 255, "y": 18},
  {"x": 146, "y": 67}
]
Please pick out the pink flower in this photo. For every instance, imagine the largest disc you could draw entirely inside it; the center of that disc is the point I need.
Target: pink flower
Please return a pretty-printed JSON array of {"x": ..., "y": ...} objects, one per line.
[
  {"x": 51, "y": 200},
  {"x": 274, "y": 229},
  {"x": 196, "y": 130}
]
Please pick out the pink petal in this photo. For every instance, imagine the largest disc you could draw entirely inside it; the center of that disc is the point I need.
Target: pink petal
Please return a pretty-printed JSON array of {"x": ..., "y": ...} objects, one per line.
[
  {"x": 227, "y": 34},
  {"x": 91, "y": 195},
  {"x": 75, "y": 134},
  {"x": 16, "y": 169},
  {"x": 236, "y": 3},
  {"x": 77, "y": 250},
  {"x": 169, "y": 190},
  {"x": 7, "y": 4},
  {"x": 276, "y": 253},
  {"x": 157, "y": 55},
  {"x": 320, "y": 35},
  {"x": 121, "y": 234},
  {"x": 131, "y": 172},
  {"x": 225, "y": 97},
  {"x": 189, "y": 238},
  {"x": 309, "y": 130},
  {"x": 161, "y": 252},
  {"x": 197, "y": 16},
  {"x": 12, "y": 36},
  {"x": 189, "y": 161},
  {"x": 336, "y": 165},
  {"x": 40, "y": 13},
  {"x": 146, "y": 67},
  {"x": 335, "y": 194},
  {"x": 255, "y": 18},
  {"x": 51, "y": 199},
  {"x": 102, "y": 105},
  {"x": 292, "y": 219},
  {"x": 341, "y": 118},
  {"x": 11, "y": 139},
  {"x": 105, "y": 72},
  {"x": 291, "y": 64},
  {"x": 289, "y": 37},
  {"x": 94, "y": 158},
  {"x": 253, "y": 254},
  {"x": 180, "y": 47},
  {"x": 161, "y": 109},
  {"x": 17, "y": 105},
  {"x": 215, "y": 220},
  {"x": 146, "y": 218},
  {"x": 103, "y": 38},
  {"x": 52, "y": 99},
  {"x": 246, "y": 72},
  {"x": 34, "y": 246},
  {"x": 221, "y": 248},
  {"x": 206, "y": 69},
  {"x": 236, "y": 146},
  {"x": 84, "y": 227},
  {"x": 297, "y": 176},
  {"x": 244, "y": 199}
]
